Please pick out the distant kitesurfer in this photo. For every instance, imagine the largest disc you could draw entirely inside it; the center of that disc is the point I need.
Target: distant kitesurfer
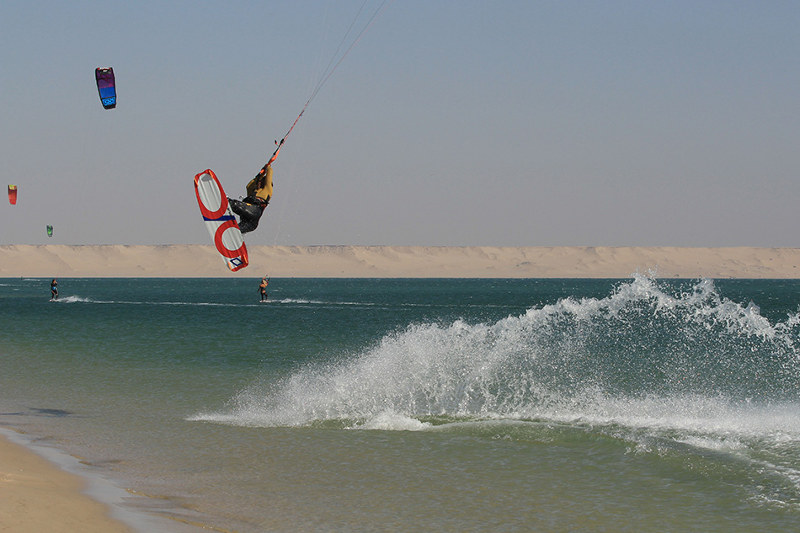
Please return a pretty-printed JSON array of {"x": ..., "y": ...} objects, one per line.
[
  {"x": 54, "y": 289},
  {"x": 262, "y": 288},
  {"x": 259, "y": 193}
]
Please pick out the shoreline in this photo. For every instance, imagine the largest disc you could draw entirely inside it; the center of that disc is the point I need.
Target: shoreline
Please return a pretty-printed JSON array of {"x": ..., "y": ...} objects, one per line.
[
  {"x": 37, "y": 495},
  {"x": 202, "y": 261},
  {"x": 42, "y": 488}
]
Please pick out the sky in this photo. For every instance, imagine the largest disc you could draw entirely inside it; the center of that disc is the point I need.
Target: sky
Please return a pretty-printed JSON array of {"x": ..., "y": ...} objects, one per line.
[{"x": 448, "y": 123}]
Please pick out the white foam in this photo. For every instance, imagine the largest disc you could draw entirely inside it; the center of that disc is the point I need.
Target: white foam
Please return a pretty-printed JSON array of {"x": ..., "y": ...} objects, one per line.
[
  {"x": 391, "y": 421},
  {"x": 74, "y": 299}
]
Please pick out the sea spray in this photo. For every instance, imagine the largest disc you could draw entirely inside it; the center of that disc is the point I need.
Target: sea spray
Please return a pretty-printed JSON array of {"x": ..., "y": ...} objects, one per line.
[{"x": 640, "y": 353}]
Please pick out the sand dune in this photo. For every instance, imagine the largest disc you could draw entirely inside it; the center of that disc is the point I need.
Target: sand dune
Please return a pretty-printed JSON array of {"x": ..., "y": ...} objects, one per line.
[{"x": 400, "y": 261}]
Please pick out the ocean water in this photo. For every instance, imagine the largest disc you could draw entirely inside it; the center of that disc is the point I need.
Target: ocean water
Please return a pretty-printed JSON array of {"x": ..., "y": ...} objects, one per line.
[{"x": 418, "y": 405}]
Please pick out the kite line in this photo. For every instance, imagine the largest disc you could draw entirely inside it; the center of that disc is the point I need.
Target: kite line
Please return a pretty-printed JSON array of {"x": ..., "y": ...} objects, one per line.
[{"x": 331, "y": 68}]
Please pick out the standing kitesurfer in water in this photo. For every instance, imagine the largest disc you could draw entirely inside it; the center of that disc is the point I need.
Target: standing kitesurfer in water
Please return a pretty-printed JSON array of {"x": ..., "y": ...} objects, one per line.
[
  {"x": 262, "y": 288},
  {"x": 259, "y": 193},
  {"x": 54, "y": 289}
]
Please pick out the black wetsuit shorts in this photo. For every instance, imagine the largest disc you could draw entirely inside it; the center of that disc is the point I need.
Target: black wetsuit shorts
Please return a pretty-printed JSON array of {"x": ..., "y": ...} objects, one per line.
[{"x": 249, "y": 214}]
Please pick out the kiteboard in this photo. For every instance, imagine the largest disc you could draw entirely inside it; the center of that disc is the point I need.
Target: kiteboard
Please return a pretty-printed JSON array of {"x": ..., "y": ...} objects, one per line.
[{"x": 219, "y": 220}]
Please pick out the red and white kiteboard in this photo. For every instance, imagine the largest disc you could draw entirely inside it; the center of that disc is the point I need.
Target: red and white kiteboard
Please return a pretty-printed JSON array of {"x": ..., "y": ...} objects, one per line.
[{"x": 219, "y": 220}]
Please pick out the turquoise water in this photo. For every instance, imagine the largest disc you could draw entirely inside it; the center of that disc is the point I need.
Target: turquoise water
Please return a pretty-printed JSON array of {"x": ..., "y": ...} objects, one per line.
[{"x": 402, "y": 405}]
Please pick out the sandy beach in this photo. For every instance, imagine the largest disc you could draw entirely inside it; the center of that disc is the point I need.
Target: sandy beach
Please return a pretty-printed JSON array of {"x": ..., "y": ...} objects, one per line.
[
  {"x": 37, "y": 496},
  {"x": 401, "y": 262}
]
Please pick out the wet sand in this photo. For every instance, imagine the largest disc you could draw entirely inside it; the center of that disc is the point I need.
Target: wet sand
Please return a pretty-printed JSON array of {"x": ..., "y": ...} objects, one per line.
[{"x": 37, "y": 496}]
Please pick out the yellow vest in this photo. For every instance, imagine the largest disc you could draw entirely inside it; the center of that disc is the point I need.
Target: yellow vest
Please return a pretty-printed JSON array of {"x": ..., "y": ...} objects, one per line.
[{"x": 261, "y": 185}]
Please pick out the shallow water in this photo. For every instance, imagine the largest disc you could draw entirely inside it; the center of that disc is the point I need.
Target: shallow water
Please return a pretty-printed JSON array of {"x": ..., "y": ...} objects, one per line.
[{"x": 396, "y": 405}]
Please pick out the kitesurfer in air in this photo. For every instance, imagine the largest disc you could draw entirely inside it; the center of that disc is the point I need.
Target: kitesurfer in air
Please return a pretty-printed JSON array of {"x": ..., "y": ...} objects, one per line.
[{"x": 259, "y": 193}]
